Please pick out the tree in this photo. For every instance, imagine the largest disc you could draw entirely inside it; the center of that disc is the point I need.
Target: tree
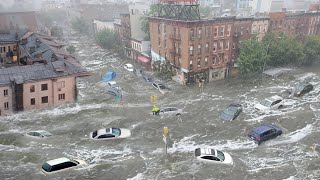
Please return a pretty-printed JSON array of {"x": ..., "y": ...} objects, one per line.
[
  {"x": 252, "y": 58},
  {"x": 81, "y": 25},
  {"x": 312, "y": 50},
  {"x": 71, "y": 49},
  {"x": 286, "y": 50},
  {"x": 106, "y": 38}
]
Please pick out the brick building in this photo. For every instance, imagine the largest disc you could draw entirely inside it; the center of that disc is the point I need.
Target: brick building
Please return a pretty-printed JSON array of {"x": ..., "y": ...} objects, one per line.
[
  {"x": 123, "y": 31},
  {"x": 18, "y": 20},
  {"x": 45, "y": 77},
  {"x": 196, "y": 49},
  {"x": 260, "y": 26}
]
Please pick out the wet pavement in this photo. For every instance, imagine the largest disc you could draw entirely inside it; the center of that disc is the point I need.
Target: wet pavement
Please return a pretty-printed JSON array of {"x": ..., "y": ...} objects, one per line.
[{"x": 142, "y": 155}]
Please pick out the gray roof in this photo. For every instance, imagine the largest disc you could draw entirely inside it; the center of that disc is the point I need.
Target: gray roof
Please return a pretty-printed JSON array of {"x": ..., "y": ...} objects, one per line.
[{"x": 47, "y": 62}]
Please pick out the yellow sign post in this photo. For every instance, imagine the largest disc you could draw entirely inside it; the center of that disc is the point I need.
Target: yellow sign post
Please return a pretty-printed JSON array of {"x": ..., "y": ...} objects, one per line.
[
  {"x": 153, "y": 98},
  {"x": 165, "y": 136}
]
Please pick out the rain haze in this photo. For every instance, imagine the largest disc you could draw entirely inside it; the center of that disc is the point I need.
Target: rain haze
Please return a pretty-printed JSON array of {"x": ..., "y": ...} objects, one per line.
[{"x": 161, "y": 89}]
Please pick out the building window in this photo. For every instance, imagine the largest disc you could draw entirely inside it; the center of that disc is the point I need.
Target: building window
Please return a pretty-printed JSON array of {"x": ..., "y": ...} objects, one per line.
[
  {"x": 265, "y": 28},
  {"x": 191, "y": 34},
  {"x": 6, "y": 105},
  {"x": 44, "y": 99},
  {"x": 215, "y": 32},
  {"x": 165, "y": 56},
  {"x": 229, "y": 30},
  {"x": 61, "y": 96},
  {"x": 199, "y": 49},
  {"x": 215, "y": 45},
  {"x": 164, "y": 28},
  {"x": 5, "y": 92},
  {"x": 222, "y": 31},
  {"x": 61, "y": 84},
  {"x": 159, "y": 41},
  {"x": 241, "y": 32},
  {"x": 207, "y": 47},
  {"x": 259, "y": 29},
  {"x": 32, "y": 88},
  {"x": 179, "y": 61},
  {"x": 199, "y": 62},
  {"x": 233, "y": 45},
  {"x": 165, "y": 43},
  {"x": 227, "y": 44},
  {"x": 179, "y": 48},
  {"x": 221, "y": 45},
  {"x": 199, "y": 33},
  {"x": 190, "y": 66},
  {"x": 214, "y": 60},
  {"x": 206, "y": 61},
  {"x": 32, "y": 101},
  {"x": 191, "y": 50},
  {"x": 44, "y": 87},
  {"x": 174, "y": 32},
  {"x": 248, "y": 30},
  {"x": 159, "y": 28},
  {"x": 207, "y": 32},
  {"x": 226, "y": 58}
]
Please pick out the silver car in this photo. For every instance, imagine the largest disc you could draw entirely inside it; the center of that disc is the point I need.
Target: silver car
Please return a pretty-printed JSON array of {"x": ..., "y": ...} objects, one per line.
[{"x": 167, "y": 111}]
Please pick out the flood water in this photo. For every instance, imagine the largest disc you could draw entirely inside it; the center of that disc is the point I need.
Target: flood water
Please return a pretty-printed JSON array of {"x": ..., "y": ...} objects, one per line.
[{"x": 142, "y": 156}]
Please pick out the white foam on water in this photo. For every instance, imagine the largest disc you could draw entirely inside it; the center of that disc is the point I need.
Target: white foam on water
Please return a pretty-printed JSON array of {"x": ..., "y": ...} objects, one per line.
[
  {"x": 292, "y": 137},
  {"x": 139, "y": 176}
]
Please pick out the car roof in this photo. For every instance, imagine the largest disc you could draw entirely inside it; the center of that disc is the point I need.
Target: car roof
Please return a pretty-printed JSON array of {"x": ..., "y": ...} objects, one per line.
[
  {"x": 274, "y": 98},
  {"x": 112, "y": 82},
  {"x": 235, "y": 104},
  {"x": 262, "y": 129},
  {"x": 129, "y": 65},
  {"x": 207, "y": 151},
  {"x": 58, "y": 161},
  {"x": 103, "y": 131}
]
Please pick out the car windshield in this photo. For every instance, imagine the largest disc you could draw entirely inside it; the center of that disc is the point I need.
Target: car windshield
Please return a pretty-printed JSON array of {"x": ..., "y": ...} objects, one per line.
[
  {"x": 116, "y": 131},
  {"x": 230, "y": 110},
  {"x": 266, "y": 103},
  {"x": 46, "y": 167},
  {"x": 162, "y": 86},
  {"x": 220, "y": 155},
  {"x": 45, "y": 133},
  {"x": 300, "y": 87},
  {"x": 94, "y": 134}
]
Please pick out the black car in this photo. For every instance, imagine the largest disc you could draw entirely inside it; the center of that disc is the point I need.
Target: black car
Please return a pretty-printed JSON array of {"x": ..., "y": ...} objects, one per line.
[
  {"x": 264, "y": 133},
  {"x": 231, "y": 113},
  {"x": 138, "y": 72},
  {"x": 302, "y": 89},
  {"x": 147, "y": 78}
]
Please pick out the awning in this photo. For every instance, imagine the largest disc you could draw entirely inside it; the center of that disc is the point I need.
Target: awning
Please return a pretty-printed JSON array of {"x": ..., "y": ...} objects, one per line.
[{"x": 143, "y": 59}]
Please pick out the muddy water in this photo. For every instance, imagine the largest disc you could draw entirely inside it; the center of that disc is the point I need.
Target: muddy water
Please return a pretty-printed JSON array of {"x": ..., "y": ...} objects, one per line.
[{"x": 142, "y": 155}]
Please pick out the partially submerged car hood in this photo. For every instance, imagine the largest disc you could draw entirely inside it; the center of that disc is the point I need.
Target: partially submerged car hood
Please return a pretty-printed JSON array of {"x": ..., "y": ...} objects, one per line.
[{"x": 260, "y": 107}]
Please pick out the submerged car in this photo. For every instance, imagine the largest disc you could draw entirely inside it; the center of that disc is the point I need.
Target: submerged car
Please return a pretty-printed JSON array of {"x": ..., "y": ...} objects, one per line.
[
  {"x": 60, "y": 164},
  {"x": 110, "y": 133},
  {"x": 302, "y": 89},
  {"x": 264, "y": 133},
  {"x": 170, "y": 111},
  {"x": 270, "y": 103},
  {"x": 231, "y": 113},
  {"x": 138, "y": 72},
  {"x": 114, "y": 92},
  {"x": 160, "y": 87},
  {"x": 128, "y": 67},
  {"x": 39, "y": 133},
  {"x": 113, "y": 84},
  {"x": 147, "y": 78},
  {"x": 109, "y": 76},
  {"x": 213, "y": 156}
]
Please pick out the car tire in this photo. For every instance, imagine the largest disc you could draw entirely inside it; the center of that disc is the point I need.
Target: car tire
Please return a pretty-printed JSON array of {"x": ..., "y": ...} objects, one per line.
[{"x": 281, "y": 106}]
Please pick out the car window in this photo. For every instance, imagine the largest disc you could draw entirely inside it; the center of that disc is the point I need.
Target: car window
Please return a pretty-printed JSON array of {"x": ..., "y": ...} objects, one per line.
[
  {"x": 30, "y": 133},
  {"x": 103, "y": 136},
  {"x": 46, "y": 167},
  {"x": 210, "y": 158},
  {"x": 276, "y": 102},
  {"x": 116, "y": 132},
  {"x": 37, "y": 134},
  {"x": 266, "y": 103},
  {"x": 94, "y": 134},
  {"x": 220, "y": 155}
]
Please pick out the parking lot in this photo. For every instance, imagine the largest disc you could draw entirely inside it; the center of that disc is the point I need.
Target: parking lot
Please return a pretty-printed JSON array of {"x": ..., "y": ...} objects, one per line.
[{"x": 142, "y": 155}]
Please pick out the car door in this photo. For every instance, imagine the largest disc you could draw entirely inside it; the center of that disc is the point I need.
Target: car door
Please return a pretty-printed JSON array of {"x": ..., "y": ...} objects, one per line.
[{"x": 276, "y": 104}]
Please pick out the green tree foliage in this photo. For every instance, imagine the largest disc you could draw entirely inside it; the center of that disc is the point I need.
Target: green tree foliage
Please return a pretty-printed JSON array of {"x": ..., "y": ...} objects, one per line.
[
  {"x": 106, "y": 38},
  {"x": 205, "y": 11},
  {"x": 312, "y": 50},
  {"x": 286, "y": 50},
  {"x": 81, "y": 25},
  {"x": 163, "y": 70},
  {"x": 71, "y": 49},
  {"x": 252, "y": 57}
]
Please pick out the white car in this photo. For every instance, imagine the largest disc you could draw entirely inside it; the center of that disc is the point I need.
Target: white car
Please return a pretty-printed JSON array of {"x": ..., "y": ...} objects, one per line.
[
  {"x": 160, "y": 87},
  {"x": 213, "y": 156},
  {"x": 270, "y": 103},
  {"x": 39, "y": 134},
  {"x": 110, "y": 133},
  {"x": 170, "y": 111},
  {"x": 128, "y": 67},
  {"x": 109, "y": 85},
  {"x": 60, "y": 164}
]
